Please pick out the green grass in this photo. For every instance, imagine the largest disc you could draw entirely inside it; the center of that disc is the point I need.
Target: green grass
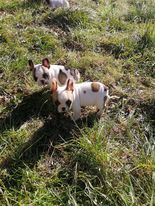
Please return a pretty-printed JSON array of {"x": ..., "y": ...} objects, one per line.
[{"x": 46, "y": 158}]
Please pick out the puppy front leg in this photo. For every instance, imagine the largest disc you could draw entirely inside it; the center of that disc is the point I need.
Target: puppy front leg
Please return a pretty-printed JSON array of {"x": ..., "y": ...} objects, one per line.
[
  {"x": 76, "y": 116},
  {"x": 76, "y": 112}
]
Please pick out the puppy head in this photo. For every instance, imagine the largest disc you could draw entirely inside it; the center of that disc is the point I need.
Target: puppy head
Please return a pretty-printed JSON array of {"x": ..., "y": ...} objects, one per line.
[
  {"x": 40, "y": 71},
  {"x": 62, "y": 96}
]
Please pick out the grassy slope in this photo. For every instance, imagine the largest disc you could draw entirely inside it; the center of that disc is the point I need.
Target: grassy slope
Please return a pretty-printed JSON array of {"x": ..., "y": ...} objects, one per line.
[{"x": 45, "y": 158}]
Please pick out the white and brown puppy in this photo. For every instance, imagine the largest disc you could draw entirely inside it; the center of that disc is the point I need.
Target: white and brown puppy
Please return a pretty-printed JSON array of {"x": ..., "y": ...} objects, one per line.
[
  {"x": 58, "y": 3},
  {"x": 74, "y": 96},
  {"x": 45, "y": 72}
]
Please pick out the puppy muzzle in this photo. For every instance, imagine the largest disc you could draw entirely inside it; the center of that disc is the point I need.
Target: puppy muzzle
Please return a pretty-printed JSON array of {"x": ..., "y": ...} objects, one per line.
[{"x": 64, "y": 110}]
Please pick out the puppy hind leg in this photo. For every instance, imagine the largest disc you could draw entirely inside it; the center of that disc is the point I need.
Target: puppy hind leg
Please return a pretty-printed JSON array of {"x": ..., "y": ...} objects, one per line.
[
  {"x": 99, "y": 109},
  {"x": 106, "y": 100}
]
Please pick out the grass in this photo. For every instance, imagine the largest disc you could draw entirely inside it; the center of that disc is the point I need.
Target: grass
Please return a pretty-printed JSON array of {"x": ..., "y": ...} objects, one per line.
[{"x": 46, "y": 158}]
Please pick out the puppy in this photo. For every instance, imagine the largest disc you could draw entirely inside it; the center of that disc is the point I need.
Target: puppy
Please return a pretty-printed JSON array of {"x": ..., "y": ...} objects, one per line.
[
  {"x": 58, "y": 3},
  {"x": 45, "y": 72},
  {"x": 74, "y": 96}
]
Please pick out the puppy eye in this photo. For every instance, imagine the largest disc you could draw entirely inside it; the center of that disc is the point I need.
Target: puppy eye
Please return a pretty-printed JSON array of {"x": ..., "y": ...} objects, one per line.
[
  {"x": 45, "y": 76},
  {"x": 57, "y": 103},
  {"x": 68, "y": 103}
]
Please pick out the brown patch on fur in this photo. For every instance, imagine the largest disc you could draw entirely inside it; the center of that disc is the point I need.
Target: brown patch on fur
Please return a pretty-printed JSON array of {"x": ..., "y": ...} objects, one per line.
[
  {"x": 54, "y": 92},
  {"x": 62, "y": 77},
  {"x": 84, "y": 91},
  {"x": 70, "y": 85},
  {"x": 95, "y": 87},
  {"x": 46, "y": 63},
  {"x": 54, "y": 86}
]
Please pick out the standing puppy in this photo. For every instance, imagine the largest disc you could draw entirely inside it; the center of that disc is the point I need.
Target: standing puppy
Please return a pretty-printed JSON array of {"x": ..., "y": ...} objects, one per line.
[
  {"x": 58, "y": 3},
  {"x": 45, "y": 72},
  {"x": 74, "y": 96}
]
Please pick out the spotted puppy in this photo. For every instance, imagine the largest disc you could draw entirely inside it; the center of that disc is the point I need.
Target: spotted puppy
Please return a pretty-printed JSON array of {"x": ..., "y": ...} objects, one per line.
[
  {"x": 45, "y": 72},
  {"x": 58, "y": 3},
  {"x": 74, "y": 96}
]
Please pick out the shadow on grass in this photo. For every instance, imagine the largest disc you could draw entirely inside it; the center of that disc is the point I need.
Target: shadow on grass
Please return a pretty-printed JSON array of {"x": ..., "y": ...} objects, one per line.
[
  {"x": 33, "y": 105},
  {"x": 56, "y": 129}
]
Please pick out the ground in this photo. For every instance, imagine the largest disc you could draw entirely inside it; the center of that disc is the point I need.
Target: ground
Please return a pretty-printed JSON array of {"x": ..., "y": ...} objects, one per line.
[{"x": 45, "y": 157}]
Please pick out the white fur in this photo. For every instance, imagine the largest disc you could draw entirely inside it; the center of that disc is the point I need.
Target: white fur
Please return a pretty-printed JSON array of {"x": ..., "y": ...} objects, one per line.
[
  {"x": 81, "y": 95},
  {"x": 53, "y": 72},
  {"x": 59, "y": 3}
]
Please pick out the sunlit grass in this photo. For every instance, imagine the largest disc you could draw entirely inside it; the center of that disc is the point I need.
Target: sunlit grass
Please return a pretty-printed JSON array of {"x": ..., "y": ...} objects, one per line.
[{"x": 45, "y": 158}]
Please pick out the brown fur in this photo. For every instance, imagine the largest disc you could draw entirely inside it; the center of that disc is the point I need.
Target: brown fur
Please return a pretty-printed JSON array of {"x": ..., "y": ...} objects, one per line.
[
  {"x": 62, "y": 77},
  {"x": 54, "y": 92},
  {"x": 46, "y": 63},
  {"x": 70, "y": 86},
  {"x": 54, "y": 86},
  {"x": 95, "y": 87}
]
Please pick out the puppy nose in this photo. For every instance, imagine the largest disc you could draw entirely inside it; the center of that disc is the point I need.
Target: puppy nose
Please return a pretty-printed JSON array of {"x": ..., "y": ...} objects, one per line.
[
  {"x": 68, "y": 103},
  {"x": 63, "y": 109}
]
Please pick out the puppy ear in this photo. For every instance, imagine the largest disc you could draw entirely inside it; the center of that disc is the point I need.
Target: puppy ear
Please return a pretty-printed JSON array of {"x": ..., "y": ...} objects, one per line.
[
  {"x": 31, "y": 65},
  {"x": 77, "y": 72},
  {"x": 70, "y": 85},
  {"x": 54, "y": 86},
  {"x": 78, "y": 76},
  {"x": 46, "y": 63}
]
